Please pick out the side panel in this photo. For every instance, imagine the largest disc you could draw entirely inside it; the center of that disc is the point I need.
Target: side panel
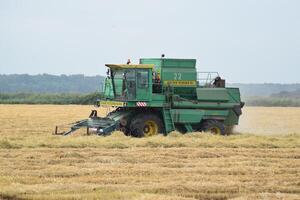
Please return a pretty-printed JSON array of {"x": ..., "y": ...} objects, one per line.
[
  {"x": 179, "y": 73},
  {"x": 196, "y": 115},
  {"x": 179, "y": 63},
  {"x": 234, "y": 94},
  {"x": 179, "y": 77},
  {"x": 234, "y": 97},
  {"x": 212, "y": 94},
  {"x": 232, "y": 119}
]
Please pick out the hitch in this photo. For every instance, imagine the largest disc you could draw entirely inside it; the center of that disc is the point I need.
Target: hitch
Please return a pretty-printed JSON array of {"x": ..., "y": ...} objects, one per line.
[{"x": 101, "y": 126}]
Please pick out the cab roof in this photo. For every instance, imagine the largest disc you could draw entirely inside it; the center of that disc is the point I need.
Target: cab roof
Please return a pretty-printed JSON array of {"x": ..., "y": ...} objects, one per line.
[{"x": 130, "y": 66}]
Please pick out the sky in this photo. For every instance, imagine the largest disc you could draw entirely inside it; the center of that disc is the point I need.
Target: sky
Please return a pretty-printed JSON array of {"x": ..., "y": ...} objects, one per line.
[{"x": 246, "y": 41}]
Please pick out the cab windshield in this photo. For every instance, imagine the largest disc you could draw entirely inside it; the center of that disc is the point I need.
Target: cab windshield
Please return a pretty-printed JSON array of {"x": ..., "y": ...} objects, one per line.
[{"x": 124, "y": 84}]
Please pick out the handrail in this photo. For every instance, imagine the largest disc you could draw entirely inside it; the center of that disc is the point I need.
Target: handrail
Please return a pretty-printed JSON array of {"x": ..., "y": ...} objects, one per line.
[{"x": 206, "y": 79}]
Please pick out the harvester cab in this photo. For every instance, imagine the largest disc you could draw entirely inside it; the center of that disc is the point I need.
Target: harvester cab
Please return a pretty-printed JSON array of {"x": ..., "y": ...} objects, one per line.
[
  {"x": 160, "y": 95},
  {"x": 129, "y": 82}
]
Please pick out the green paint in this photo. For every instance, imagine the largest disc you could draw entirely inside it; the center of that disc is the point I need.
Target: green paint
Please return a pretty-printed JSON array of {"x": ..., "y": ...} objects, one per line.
[{"x": 170, "y": 90}]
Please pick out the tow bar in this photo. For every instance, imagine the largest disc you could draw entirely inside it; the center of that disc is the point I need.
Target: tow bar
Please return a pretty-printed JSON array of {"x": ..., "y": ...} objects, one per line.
[{"x": 100, "y": 125}]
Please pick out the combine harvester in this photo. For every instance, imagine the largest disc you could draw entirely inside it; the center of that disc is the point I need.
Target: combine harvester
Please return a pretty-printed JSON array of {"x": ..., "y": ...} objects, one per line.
[{"x": 160, "y": 95}]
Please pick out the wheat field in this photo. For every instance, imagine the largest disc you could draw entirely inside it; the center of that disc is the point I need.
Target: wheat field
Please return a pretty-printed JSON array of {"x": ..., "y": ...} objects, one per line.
[{"x": 260, "y": 161}]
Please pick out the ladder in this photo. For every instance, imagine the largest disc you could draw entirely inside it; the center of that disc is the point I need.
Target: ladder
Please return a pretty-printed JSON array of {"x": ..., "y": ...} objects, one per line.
[{"x": 169, "y": 125}]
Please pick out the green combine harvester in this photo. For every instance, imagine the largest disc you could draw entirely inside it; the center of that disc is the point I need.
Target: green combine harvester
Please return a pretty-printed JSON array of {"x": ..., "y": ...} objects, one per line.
[{"x": 160, "y": 95}]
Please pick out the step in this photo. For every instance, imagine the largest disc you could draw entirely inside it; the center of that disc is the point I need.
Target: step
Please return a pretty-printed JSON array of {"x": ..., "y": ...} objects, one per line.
[{"x": 169, "y": 125}]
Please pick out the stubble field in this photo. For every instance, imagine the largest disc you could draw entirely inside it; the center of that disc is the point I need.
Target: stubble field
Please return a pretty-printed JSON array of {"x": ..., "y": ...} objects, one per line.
[{"x": 260, "y": 161}]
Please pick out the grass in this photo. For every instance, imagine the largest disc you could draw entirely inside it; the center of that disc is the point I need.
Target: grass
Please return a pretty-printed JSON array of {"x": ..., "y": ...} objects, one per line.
[
  {"x": 118, "y": 141},
  {"x": 269, "y": 120},
  {"x": 37, "y": 165}
]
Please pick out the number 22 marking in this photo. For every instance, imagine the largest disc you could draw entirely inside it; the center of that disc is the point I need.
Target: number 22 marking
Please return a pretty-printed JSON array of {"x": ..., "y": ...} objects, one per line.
[{"x": 177, "y": 76}]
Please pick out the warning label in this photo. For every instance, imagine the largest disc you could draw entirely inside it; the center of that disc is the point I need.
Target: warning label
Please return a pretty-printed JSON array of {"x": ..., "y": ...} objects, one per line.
[
  {"x": 112, "y": 103},
  {"x": 180, "y": 83}
]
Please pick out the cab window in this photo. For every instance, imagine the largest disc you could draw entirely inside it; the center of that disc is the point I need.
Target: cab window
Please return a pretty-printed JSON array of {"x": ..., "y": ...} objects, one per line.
[{"x": 142, "y": 78}]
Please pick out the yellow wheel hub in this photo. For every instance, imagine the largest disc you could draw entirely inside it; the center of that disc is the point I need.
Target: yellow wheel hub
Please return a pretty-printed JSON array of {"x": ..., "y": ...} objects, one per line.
[
  {"x": 150, "y": 128},
  {"x": 215, "y": 130}
]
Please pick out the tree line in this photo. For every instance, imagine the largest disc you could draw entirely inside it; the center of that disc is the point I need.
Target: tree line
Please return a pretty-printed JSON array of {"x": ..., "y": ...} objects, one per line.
[
  {"x": 44, "y": 98},
  {"x": 47, "y": 83}
]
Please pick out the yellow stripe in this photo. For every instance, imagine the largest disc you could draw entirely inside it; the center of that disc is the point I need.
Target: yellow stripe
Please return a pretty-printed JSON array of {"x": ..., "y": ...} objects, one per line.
[
  {"x": 180, "y": 83},
  {"x": 112, "y": 103}
]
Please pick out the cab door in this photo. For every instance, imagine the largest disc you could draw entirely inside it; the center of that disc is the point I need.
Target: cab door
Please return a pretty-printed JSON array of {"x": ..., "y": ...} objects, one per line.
[{"x": 144, "y": 85}]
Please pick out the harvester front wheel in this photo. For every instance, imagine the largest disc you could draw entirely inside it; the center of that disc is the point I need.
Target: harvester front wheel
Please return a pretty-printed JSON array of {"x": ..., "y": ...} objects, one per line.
[
  {"x": 214, "y": 127},
  {"x": 145, "y": 125}
]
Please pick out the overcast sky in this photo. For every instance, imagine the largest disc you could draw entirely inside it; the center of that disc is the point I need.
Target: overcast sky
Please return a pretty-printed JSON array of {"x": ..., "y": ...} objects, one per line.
[{"x": 246, "y": 41}]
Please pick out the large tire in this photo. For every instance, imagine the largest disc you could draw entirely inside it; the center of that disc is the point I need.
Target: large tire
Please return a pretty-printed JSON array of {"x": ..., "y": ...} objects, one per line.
[
  {"x": 145, "y": 125},
  {"x": 214, "y": 126}
]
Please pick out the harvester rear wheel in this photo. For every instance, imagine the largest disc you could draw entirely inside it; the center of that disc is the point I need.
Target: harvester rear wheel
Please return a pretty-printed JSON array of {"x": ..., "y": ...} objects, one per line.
[
  {"x": 214, "y": 127},
  {"x": 145, "y": 125}
]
